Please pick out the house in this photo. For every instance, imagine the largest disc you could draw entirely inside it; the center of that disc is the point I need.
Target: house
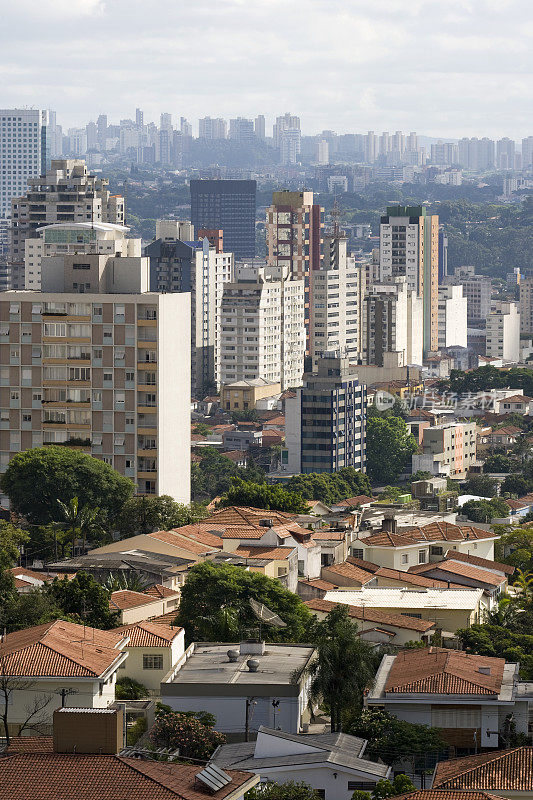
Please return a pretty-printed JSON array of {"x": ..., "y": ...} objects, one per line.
[
  {"x": 449, "y": 609},
  {"x": 331, "y": 763},
  {"x": 462, "y": 574},
  {"x": 360, "y": 501},
  {"x": 135, "y": 606},
  {"x": 485, "y": 563},
  {"x": 170, "y": 597},
  {"x": 401, "y": 548},
  {"x": 334, "y": 544},
  {"x": 385, "y": 576},
  {"x": 238, "y": 682},
  {"x": 507, "y": 773},
  {"x": 163, "y": 543},
  {"x": 26, "y": 579},
  {"x": 47, "y": 659},
  {"x": 346, "y": 574},
  {"x": 516, "y": 404},
  {"x": 505, "y": 437},
  {"x": 86, "y": 759},
  {"x": 467, "y": 696},
  {"x": 380, "y": 626},
  {"x": 153, "y": 650}
]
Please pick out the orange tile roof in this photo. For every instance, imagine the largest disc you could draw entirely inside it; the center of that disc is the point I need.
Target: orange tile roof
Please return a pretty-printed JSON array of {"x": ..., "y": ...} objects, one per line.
[
  {"x": 60, "y": 649},
  {"x": 149, "y": 634},
  {"x": 243, "y": 532},
  {"x": 272, "y": 553},
  {"x": 469, "y": 571},
  {"x": 22, "y": 572},
  {"x": 374, "y": 615},
  {"x": 202, "y": 532},
  {"x": 330, "y": 536},
  {"x": 369, "y": 566},
  {"x": 158, "y": 590},
  {"x": 166, "y": 619},
  {"x": 435, "y": 532},
  {"x": 348, "y": 570},
  {"x": 411, "y": 578},
  {"x": 455, "y": 555},
  {"x": 59, "y": 776},
  {"x": 439, "y": 671},
  {"x": 353, "y": 502},
  {"x": 515, "y": 398},
  {"x": 505, "y": 770},
  {"x": 318, "y": 583},
  {"x": 438, "y": 794},
  {"x": 126, "y": 598},
  {"x": 169, "y": 537},
  {"x": 242, "y": 515}
]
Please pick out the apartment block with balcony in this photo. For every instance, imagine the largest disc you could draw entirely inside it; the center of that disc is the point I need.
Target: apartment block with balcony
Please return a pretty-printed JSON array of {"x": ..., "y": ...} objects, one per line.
[
  {"x": 104, "y": 371},
  {"x": 448, "y": 449}
]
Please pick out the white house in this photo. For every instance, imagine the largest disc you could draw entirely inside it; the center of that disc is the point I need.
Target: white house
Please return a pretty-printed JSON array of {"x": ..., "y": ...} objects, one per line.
[
  {"x": 153, "y": 649},
  {"x": 332, "y": 763}
]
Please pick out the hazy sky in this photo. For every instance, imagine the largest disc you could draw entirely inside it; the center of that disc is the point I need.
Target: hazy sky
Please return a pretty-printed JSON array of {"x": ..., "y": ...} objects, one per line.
[{"x": 440, "y": 67}]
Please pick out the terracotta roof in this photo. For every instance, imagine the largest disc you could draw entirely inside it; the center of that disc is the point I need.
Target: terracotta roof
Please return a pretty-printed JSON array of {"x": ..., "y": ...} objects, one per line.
[
  {"x": 350, "y": 571},
  {"x": 505, "y": 770},
  {"x": 352, "y": 502},
  {"x": 58, "y": 776},
  {"x": 369, "y": 566},
  {"x": 469, "y": 571},
  {"x": 455, "y": 555},
  {"x": 242, "y": 515},
  {"x": 169, "y": 537},
  {"x": 149, "y": 634},
  {"x": 374, "y": 615},
  {"x": 243, "y": 532},
  {"x": 507, "y": 430},
  {"x": 517, "y": 504},
  {"x": 515, "y": 398},
  {"x": 126, "y": 598},
  {"x": 61, "y": 649},
  {"x": 22, "y": 572},
  {"x": 318, "y": 583},
  {"x": 330, "y": 536},
  {"x": 439, "y": 671},
  {"x": 157, "y": 590},
  {"x": 166, "y": 619},
  {"x": 236, "y": 455},
  {"x": 272, "y": 553},
  {"x": 409, "y": 577},
  {"x": 202, "y": 532},
  {"x": 30, "y": 744},
  {"x": 434, "y": 532},
  {"x": 437, "y": 794}
]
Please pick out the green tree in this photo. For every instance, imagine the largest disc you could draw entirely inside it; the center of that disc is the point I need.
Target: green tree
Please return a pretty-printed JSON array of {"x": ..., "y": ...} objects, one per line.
[
  {"x": 516, "y": 484},
  {"x": 421, "y": 475},
  {"x": 497, "y": 463},
  {"x": 395, "y": 740},
  {"x": 496, "y": 641},
  {"x": 385, "y": 788},
  {"x": 273, "y": 497},
  {"x": 515, "y": 546},
  {"x": 213, "y": 475},
  {"x": 214, "y": 588},
  {"x": 330, "y": 487},
  {"x": 144, "y": 514},
  {"x": 78, "y": 520},
  {"x": 12, "y": 539},
  {"x": 480, "y": 485},
  {"x": 289, "y": 790},
  {"x": 130, "y": 689},
  {"x": 36, "y": 479},
  {"x": 185, "y": 731},
  {"x": 389, "y": 446},
  {"x": 202, "y": 429},
  {"x": 84, "y": 600},
  {"x": 344, "y": 666},
  {"x": 485, "y": 510}
]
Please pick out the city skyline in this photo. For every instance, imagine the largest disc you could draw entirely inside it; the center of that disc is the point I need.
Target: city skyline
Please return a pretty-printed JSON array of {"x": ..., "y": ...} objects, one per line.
[{"x": 340, "y": 66}]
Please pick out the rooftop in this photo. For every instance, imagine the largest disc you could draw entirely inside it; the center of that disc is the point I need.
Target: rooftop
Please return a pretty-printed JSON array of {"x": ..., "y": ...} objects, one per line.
[
  {"x": 434, "y": 532},
  {"x": 209, "y": 664},
  {"x": 126, "y": 598},
  {"x": 507, "y": 770},
  {"x": 398, "y": 597},
  {"x": 351, "y": 572},
  {"x": 159, "y": 591},
  {"x": 439, "y": 671},
  {"x": 149, "y": 634},
  {"x": 373, "y": 615},
  {"x": 455, "y": 555},
  {"x": 465, "y": 570}
]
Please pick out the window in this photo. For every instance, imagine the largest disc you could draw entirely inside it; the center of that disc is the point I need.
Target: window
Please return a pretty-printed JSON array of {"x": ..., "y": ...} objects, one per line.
[
  {"x": 152, "y": 662},
  {"x": 405, "y": 558},
  {"x": 357, "y": 553},
  {"x": 362, "y": 785},
  {"x": 421, "y": 556},
  {"x": 55, "y": 329}
]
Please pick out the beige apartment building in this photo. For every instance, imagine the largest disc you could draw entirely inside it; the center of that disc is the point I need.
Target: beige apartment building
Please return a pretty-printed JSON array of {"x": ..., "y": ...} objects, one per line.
[
  {"x": 448, "y": 449},
  {"x": 98, "y": 363}
]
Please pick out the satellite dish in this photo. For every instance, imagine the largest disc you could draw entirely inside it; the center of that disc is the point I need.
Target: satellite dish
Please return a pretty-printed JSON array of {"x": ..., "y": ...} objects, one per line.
[{"x": 265, "y": 615}]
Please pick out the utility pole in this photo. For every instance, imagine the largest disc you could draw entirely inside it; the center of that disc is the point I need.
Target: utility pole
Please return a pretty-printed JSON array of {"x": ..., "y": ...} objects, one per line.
[{"x": 64, "y": 693}]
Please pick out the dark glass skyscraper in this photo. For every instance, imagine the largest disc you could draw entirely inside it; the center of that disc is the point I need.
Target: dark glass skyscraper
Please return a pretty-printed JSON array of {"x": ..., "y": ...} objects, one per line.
[{"x": 229, "y": 205}]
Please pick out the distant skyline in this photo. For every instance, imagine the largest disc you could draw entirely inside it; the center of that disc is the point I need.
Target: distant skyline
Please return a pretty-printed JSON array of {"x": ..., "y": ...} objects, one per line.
[{"x": 462, "y": 68}]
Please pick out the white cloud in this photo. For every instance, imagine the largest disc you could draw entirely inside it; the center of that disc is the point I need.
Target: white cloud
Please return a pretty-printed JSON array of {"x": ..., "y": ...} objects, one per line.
[{"x": 460, "y": 68}]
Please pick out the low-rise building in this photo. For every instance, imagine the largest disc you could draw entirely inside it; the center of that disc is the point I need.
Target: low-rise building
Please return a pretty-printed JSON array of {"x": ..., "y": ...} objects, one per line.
[
  {"x": 238, "y": 682},
  {"x": 507, "y": 773},
  {"x": 331, "y": 763},
  {"x": 134, "y": 606},
  {"x": 153, "y": 650},
  {"x": 467, "y": 696},
  {"x": 447, "y": 449},
  {"x": 245, "y": 394}
]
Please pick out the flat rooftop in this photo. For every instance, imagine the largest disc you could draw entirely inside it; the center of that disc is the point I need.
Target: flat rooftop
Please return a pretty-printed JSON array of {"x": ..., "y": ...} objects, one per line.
[
  {"x": 210, "y": 664},
  {"x": 389, "y": 597}
]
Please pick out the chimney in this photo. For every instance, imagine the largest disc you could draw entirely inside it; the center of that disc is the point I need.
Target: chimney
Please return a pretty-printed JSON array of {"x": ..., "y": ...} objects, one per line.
[
  {"x": 389, "y": 523},
  {"x": 88, "y": 730}
]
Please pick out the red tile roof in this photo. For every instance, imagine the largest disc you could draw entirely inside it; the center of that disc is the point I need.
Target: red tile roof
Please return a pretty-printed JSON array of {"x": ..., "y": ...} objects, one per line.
[
  {"x": 126, "y": 598},
  {"x": 58, "y": 776},
  {"x": 374, "y": 615},
  {"x": 204, "y": 532},
  {"x": 350, "y": 571},
  {"x": 353, "y": 502},
  {"x": 61, "y": 649},
  {"x": 435, "y": 532},
  {"x": 169, "y": 537},
  {"x": 410, "y": 578},
  {"x": 505, "y": 770},
  {"x": 455, "y": 555},
  {"x": 157, "y": 590},
  {"x": 439, "y": 671},
  {"x": 469, "y": 571},
  {"x": 516, "y": 398},
  {"x": 369, "y": 566},
  {"x": 22, "y": 572},
  {"x": 271, "y": 553},
  {"x": 318, "y": 583},
  {"x": 242, "y": 515},
  {"x": 149, "y": 634}
]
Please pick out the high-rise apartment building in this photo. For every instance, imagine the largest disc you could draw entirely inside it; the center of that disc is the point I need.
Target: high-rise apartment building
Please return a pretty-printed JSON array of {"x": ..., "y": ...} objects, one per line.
[
  {"x": 287, "y": 138},
  {"x": 67, "y": 192},
  {"x": 241, "y": 130},
  {"x": 477, "y": 289},
  {"x": 228, "y": 205},
  {"x": 452, "y": 317},
  {"x": 503, "y": 332},
  {"x": 392, "y": 315},
  {"x": 91, "y": 362},
  {"x": 259, "y": 127},
  {"x": 448, "y": 449},
  {"x": 337, "y": 301},
  {"x": 527, "y": 152},
  {"x": 409, "y": 247},
  {"x": 476, "y": 154},
  {"x": 444, "y": 154},
  {"x": 526, "y": 304},
  {"x": 294, "y": 239},
  {"x": 23, "y": 152},
  {"x": 505, "y": 153},
  {"x": 195, "y": 267},
  {"x": 262, "y": 327},
  {"x": 325, "y": 422},
  {"x": 209, "y": 128}
]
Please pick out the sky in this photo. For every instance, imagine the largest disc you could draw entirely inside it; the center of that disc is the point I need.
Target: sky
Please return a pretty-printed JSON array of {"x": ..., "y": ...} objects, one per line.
[{"x": 447, "y": 68}]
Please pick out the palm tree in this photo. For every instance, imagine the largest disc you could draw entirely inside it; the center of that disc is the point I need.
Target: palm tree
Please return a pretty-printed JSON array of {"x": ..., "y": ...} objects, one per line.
[
  {"x": 524, "y": 582},
  {"x": 344, "y": 666},
  {"x": 118, "y": 581},
  {"x": 505, "y": 614},
  {"x": 78, "y": 520}
]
